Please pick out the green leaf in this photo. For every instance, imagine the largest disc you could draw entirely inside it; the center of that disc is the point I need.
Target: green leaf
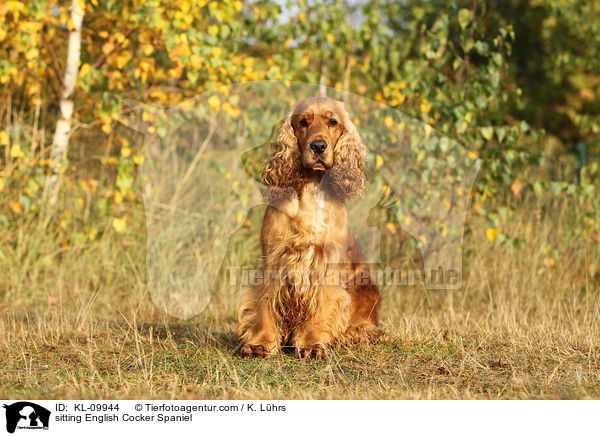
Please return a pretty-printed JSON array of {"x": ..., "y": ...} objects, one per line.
[
  {"x": 481, "y": 47},
  {"x": 524, "y": 126},
  {"x": 464, "y": 18},
  {"x": 555, "y": 187},
  {"x": 487, "y": 132},
  {"x": 500, "y": 133}
]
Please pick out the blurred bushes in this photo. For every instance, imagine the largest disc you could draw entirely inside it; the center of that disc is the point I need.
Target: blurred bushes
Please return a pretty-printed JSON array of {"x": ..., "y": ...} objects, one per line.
[{"x": 516, "y": 81}]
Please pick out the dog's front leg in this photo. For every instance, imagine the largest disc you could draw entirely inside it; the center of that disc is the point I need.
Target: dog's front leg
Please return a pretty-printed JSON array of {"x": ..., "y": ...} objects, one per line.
[
  {"x": 257, "y": 329},
  {"x": 326, "y": 325}
]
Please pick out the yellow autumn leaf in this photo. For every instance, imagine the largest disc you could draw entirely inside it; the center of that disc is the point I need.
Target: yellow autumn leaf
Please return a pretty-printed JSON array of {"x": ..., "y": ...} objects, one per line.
[
  {"x": 145, "y": 65},
  {"x": 468, "y": 117},
  {"x": 388, "y": 121},
  {"x": 15, "y": 206},
  {"x": 216, "y": 52},
  {"x": 378, "y": 161},
  {"x": 1, "y": 184},
  {"x": 148, "y": 116},
  {"x": 125, "y": 151},
  {"x": 16, "y": 152},
  {"x": 122, "y": 59},
  {"x": 4, "y": 139},
  {"x": 85, "y": 68},
  {"x": 425, "y": 106},
  {"x": 196, "y": 61},
  {"x": 31, "y": 54},
  {"x": 92, "y": 235},
  {"x": 138, "y": 159},
  {"x": 106, "y": 128},
  {"x": 214, "y": 102},
  {"x": 491, "y": 234},
  {"x": 119, "y": 224},
  {"x": 213, "y": 30},
  {"x": 107, "y": 48},
  {"x": 148, "y": 49}
]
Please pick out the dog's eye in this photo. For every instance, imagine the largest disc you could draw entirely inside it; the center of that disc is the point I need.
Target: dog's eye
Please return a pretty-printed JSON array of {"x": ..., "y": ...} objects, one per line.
[
  {"x": 303, "y": 123},
  {"x": 333, "y": 122}
]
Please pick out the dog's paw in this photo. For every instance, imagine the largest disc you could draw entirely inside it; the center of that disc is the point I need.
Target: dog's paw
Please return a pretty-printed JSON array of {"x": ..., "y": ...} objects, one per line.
[
  {"x": 316, "y": 351},
  {"x": 249, "y": 350}
]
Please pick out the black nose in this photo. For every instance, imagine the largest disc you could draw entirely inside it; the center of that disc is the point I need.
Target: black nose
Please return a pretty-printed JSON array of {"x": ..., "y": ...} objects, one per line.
[{"x": 318, "y": 146}]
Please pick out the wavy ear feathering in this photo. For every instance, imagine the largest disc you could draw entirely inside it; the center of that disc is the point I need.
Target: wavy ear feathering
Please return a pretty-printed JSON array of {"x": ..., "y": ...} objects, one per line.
[
  {"x": 347, "y": 179},
  {"x": 282, "y": 171}
]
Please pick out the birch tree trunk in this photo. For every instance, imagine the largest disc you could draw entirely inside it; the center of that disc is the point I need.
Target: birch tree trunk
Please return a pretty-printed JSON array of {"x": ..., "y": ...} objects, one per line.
[{"x": 60, "y": 142}]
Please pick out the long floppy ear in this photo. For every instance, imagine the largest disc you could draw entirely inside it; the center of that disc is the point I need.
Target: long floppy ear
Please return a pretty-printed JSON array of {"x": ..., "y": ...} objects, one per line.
[
  {"x": 280, "y": 176},
  {"x": 347, "y": 179}
]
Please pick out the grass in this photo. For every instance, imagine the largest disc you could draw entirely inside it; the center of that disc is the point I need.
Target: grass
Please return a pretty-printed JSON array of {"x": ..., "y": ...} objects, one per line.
[{"x": 519, "y": 328}]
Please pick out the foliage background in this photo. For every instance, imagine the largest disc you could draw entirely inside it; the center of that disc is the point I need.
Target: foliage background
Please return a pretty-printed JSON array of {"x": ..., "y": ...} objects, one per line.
[{"x": 516, "y": 81}]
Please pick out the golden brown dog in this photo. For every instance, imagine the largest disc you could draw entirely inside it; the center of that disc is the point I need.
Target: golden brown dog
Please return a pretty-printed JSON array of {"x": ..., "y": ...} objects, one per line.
[{"x": 314, "y": 289}]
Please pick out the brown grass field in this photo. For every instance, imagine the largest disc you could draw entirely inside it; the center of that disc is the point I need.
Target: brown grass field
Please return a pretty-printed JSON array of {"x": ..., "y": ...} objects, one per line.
[{"x": 520, "y": 327}]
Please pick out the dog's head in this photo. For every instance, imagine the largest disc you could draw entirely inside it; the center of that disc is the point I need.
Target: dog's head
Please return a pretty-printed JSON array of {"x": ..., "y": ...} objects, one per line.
[{"x": 317, "y": 140}]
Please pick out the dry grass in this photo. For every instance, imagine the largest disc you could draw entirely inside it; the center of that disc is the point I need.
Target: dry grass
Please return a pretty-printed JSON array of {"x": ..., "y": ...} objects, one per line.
[{"x": 517, "y": 329}]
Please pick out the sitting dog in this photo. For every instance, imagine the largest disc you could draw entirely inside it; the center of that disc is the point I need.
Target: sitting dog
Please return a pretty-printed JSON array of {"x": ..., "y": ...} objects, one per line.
[{"x": 314, "y": 290}]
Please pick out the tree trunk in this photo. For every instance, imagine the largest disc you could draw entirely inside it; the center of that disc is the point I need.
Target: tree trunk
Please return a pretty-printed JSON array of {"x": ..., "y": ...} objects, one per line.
[{"x": 63, "y": 125}]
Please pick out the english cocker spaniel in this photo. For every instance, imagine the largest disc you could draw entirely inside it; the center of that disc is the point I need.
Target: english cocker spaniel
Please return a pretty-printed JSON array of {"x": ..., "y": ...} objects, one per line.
[{"x": 314, "y": 289}]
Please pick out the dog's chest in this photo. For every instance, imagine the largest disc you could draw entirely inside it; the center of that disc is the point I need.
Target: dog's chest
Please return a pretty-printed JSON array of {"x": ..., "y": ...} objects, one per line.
[{"x": 313, "y": 212}]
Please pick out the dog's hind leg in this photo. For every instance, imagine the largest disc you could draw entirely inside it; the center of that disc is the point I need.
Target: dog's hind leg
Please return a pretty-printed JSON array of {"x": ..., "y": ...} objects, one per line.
[{"x": 364, "y": 315}]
